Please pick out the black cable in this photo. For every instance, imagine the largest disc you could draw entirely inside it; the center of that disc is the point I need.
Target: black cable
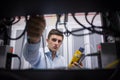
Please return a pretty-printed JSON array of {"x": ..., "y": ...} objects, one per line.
[
  {"x": 104, "y": 30},
  {"x": 89, "y": 29},
  {"x": 7, "y": 23},
  {"x": 58, "y": 20},
  {"x": 65, "y": 21},
  {"x": 19, "y": 18},
  {"x": 11, "y": 55},
  {"x": 81, "y": 34},
  {"x": 15, "y": 55},
  {"x": 67, "y": 32},
  {"x": 91, "y": 23},
  {"x": 92, "y": 54},
  {"x": 18, "y": 36}
]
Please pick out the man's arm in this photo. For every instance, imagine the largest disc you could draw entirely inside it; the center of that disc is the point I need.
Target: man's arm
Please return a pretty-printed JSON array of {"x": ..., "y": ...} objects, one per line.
[{"x": 35, "y": 27}]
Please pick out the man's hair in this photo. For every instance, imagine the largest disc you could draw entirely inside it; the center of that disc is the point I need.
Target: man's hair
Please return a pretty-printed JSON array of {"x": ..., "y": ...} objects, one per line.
[{"x": 55, "y": 32}]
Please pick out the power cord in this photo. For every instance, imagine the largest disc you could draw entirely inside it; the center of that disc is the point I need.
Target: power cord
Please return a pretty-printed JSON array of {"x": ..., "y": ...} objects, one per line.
[{"x": 9, "y": 60}]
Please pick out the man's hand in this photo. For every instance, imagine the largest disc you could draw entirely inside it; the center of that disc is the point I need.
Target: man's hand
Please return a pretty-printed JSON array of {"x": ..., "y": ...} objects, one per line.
[
  {"x": 35, "y": 27},
  {"x": 76, "y": 65}
]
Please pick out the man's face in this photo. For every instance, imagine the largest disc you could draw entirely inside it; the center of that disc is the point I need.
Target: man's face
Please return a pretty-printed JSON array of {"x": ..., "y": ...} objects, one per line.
[{"x": 54, "y": 42}]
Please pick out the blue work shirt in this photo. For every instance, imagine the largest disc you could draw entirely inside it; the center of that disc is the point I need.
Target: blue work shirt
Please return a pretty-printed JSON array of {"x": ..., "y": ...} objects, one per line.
[{"x": 42, "y": 59}]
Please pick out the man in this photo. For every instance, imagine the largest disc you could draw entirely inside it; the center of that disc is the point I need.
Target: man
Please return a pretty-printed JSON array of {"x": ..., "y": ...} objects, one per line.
[{"x": 48, "y": 58}]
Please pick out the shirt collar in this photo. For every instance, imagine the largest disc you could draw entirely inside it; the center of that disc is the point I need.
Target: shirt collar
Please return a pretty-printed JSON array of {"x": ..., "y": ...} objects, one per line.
[{"x": 48, "y": 52}]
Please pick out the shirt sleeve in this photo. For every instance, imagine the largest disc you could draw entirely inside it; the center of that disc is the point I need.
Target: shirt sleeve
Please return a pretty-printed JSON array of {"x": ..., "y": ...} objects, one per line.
[{"x": 31, "y": 53}]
